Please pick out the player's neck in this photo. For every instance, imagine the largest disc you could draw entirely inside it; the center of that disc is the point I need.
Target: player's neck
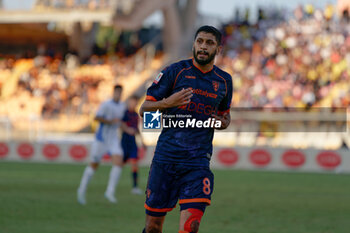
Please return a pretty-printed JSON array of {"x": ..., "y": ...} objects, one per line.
[{"x": 204, "y": 68}]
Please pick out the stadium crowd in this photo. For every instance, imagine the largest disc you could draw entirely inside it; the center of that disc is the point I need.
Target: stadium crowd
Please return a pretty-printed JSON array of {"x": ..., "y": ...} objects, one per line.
[
  {"x": 298, "y": 62},
  {"x": 51, "y": 84},
  {"x": 76, "y": 4},
  {"x": 58, "y": 85},
  {"x": 303, "y": 61}
]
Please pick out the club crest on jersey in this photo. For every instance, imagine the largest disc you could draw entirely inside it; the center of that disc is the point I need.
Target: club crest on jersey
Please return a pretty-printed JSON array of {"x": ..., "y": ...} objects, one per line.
[
  {"x": 216, "y": 85},
  {"x": 156, "y": 80}
]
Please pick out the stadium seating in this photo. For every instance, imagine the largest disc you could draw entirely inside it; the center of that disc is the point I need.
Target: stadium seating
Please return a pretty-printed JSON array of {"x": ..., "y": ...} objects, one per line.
[{"x": 295, "y": 63}]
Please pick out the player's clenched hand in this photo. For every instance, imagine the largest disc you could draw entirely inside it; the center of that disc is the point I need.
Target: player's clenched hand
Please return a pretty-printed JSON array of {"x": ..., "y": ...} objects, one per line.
[
  {"x": 180, "y": 98},
  {"x": 131, "y": 131},
  {"x": 225, "y": 120},
  {"x": 115, "y": 121}
]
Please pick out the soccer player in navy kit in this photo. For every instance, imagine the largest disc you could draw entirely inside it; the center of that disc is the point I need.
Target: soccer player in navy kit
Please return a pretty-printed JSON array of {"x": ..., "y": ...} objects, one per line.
[
  {"x": 180, "y": 167},
  {"x": 130, "y": 129}
]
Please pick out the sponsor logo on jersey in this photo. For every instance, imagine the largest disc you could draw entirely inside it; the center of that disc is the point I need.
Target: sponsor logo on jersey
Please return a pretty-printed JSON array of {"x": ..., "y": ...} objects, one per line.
[
  {"x": 204, "y": 93},
  {"x": 199, "y": 108}
]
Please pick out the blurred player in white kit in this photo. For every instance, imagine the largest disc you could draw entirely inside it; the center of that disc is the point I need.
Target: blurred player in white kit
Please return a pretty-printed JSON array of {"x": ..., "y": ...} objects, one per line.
[{"x": 109, "y": 115}]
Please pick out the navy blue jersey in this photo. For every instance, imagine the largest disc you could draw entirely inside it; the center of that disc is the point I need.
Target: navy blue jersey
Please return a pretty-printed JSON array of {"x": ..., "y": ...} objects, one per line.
[
  {"x": 131, "y": 119},
  {"x": 212, "y": 94}
]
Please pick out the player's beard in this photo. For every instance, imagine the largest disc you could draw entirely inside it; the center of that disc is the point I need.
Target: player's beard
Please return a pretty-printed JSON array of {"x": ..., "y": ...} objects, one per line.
[{"x": 205, "y": 61}]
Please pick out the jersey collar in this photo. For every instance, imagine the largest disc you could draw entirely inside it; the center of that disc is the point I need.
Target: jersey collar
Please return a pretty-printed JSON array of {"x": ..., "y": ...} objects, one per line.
[
  {"x": 115, "y": 102},
  {"x": 204, "y": 72}
]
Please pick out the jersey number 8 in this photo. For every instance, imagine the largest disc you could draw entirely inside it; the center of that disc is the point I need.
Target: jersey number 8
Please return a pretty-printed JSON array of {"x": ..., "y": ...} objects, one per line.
[{"x": 206, "y": 187}]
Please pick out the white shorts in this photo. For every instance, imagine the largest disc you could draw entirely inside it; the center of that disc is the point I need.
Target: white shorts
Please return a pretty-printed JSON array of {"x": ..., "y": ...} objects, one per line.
[{"x": 99, "y": 149}]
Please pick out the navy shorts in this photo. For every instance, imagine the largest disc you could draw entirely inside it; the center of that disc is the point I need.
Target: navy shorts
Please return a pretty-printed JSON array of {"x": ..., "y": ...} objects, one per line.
[
  {"x": 129, "y": 148},
  {"x": 169, "y": 183}
]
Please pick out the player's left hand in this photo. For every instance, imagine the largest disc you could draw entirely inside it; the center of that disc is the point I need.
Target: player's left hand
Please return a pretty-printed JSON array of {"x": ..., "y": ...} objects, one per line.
[
  {"x": 225, "y": 120},
  {"x": 131, "y": 131}
]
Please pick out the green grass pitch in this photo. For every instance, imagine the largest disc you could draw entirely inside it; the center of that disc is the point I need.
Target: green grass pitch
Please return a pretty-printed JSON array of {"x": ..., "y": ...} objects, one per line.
[{"x": 41, "y": 198}]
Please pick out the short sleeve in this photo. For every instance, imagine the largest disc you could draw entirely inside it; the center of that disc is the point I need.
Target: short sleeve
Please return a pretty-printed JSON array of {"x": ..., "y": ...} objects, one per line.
[
  {"x": 101, "y": 112},
  {"x": 162, "y": 85},
  {"x": 225, "y": 103}
]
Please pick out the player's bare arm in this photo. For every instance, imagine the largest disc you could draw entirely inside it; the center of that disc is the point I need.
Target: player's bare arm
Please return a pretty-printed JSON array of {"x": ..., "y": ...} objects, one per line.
[
  {"x": 105, "y": 121},
  {"x": 180, "y": 98},
  {"x": 127, "y": 129},
  {"x": 225, "y": 120},
  {"x": 138, "y": 132}
]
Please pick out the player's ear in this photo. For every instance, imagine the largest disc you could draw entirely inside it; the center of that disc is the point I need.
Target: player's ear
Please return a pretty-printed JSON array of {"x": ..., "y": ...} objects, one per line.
[{"x": 219, "y": 49}]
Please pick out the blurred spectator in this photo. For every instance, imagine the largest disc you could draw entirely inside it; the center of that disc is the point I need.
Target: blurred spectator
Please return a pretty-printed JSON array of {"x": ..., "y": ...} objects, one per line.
[
  {"x": 300, "y": 62},
  {"x": 61, "y": 85},
  {"x": 77, "y": 4}
]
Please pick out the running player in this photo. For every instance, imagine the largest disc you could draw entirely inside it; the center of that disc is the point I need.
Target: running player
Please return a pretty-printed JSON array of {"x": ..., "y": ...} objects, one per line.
[
  {"x": 180, "y": 167},
  {"x": 130, "y": 130},
  {"x": 109, "y": 115}
]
